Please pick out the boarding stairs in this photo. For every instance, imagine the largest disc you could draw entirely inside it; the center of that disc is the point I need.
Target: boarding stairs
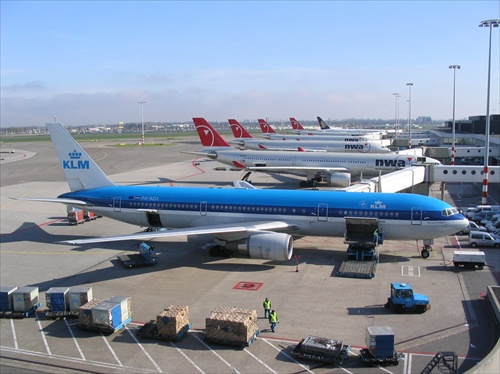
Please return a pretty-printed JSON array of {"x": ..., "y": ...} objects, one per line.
[{"x": 445, "y": 362}]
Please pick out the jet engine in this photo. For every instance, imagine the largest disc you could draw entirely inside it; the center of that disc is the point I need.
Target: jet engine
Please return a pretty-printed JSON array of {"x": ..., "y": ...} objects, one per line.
[
  {"x": 265, "y": 245},
  {"x": 339, "y": 179}
]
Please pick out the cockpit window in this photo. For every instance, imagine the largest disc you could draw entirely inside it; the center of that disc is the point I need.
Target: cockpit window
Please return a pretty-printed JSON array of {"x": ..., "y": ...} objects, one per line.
[{"x": 449, "y": 212}]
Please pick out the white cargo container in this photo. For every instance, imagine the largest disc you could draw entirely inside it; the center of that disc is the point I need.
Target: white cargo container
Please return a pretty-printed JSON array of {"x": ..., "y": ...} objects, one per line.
[
  {"x": 78, "y": 296},
  {"x": 25, "y": 298},
  {"x": 468, "y": 259},
  {"x": 125, "y": 305}
]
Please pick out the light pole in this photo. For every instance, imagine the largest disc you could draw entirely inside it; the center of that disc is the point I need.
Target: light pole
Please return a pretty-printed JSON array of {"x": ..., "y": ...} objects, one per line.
[
  {"x": 484, "y": 197},
  {"x": 409, "y": 114},
  {"x": 396, "y": 111},
  {"x": 454, "y": 67},
  {"x": 142, "y": 118}
]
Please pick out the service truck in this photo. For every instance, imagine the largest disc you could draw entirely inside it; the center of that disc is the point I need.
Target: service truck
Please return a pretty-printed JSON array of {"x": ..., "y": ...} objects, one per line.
[
  {"x": 403, "y": 299},
  {"x": 468, "y": 259}
]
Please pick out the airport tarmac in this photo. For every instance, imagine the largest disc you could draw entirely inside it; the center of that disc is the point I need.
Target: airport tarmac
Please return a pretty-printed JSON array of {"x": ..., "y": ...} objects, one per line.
[{"x": 306, "y": 293}]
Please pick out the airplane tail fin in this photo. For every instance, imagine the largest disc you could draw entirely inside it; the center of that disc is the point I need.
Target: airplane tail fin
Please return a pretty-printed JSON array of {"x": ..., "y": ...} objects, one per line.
[
  {"x": 322, "y": 124},
  {"x": 238, "y": 130},
  {"x": 80, "y": 170},
  {"x": 264, "y": 126},
  {"x": 208, "y": 135},
  {"x": 295, "y": 124}
]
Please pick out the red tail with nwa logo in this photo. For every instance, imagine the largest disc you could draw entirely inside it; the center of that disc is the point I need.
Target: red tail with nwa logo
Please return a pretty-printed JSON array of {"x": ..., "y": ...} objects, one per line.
[{"x": 208, "y": 135}]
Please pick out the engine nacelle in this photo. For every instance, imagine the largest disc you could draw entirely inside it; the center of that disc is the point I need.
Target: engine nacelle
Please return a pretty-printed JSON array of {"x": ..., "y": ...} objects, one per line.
[
  {"x": 268, "y": 246},
  {"x": 339, "y": 179}
]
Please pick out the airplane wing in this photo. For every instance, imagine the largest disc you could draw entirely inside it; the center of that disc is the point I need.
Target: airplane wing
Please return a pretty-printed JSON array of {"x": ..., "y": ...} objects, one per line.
[
  {"x": 239, "y": 230},
  {"x": 291, "y": 169}
]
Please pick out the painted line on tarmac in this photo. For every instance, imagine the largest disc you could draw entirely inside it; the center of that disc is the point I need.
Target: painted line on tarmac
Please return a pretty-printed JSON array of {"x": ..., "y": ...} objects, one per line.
[{"x": 215, "y": 353}]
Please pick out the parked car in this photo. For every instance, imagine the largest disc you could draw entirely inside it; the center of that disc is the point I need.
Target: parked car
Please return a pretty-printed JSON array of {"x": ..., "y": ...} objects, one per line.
[
  {"x": 493, "y": 223},
  {"x": 473, "y": 226},
  {"x": 483, "y": 239}
]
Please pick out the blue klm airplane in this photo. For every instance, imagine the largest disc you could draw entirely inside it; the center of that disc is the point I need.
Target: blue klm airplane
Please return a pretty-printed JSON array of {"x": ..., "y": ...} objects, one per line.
[{"x": 257, "y": 222}]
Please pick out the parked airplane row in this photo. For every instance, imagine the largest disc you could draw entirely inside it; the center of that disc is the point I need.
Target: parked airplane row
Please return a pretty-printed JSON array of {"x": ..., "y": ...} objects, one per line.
[
  {"x": 270, "y": 133},
  {"x": 312, "y": 144},
  {"x": 258, "y": 222},
  {"x": 333, "y": 168}
]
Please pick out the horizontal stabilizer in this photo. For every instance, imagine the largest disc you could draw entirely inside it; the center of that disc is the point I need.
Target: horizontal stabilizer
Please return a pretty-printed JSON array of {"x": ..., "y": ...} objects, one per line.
[{"x": 53, "y": 200}]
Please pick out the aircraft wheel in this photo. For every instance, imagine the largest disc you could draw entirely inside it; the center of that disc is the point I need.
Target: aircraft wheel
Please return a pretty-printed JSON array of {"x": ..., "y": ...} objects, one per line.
[{"x": 425, "y": 253}]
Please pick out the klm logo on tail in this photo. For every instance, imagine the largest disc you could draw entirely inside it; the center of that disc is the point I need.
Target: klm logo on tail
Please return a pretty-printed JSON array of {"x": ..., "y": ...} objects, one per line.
[{"x": 74, "y": 162}]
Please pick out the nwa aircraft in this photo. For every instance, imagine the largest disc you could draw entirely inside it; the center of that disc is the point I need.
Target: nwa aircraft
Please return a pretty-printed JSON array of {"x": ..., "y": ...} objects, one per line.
[
  {"x": 246, "y": 140},
  {"x": 334, "y": 168},
  {"x": 259, "y": 223},
  {"x": 269, "y": 133}
]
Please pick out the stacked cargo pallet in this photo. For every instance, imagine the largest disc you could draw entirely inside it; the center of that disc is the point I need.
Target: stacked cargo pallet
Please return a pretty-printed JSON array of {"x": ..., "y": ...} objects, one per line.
[
  {"x": 108, "y": 315},
  {"x": 232, "y": 326},
  {"x": 172, "y": 320},
  {"x": 85, "y": 313}
]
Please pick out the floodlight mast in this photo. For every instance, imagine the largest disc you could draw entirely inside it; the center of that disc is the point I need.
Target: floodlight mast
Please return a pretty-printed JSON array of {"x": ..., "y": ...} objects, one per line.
[
  {"x": 142, "y": 119},
  {"x": 409, "y": 114},
  {"x": 454, "y": 67},
  {"x": 484, "y": 197}
]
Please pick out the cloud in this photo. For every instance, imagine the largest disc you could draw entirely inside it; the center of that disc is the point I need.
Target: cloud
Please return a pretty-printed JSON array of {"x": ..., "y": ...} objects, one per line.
[{"x": 26, "y": 87}]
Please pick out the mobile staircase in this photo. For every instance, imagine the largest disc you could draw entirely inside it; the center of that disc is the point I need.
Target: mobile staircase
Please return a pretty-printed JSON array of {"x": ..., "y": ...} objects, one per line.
[{"x": 443, "y": 361}]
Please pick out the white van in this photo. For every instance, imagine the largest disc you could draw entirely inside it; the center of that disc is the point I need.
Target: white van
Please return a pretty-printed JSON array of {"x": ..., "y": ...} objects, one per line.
[
  {"x": 483, "y": 209},
  {"x": 483, "y": 239}
]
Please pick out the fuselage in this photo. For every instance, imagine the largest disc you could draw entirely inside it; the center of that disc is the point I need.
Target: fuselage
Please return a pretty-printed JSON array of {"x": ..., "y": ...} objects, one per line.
[
  {"x": 316, "y": 213},
  {"x": 322, "y": 145},
  {"x": 352, "y": 162},
  {"x": 343, "y": 138}
]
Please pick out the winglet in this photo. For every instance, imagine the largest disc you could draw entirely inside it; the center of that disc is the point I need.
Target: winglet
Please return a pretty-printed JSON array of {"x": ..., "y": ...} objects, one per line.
[
  {"x": 80, "y": 170},
  {"x": 295, "y": 124},
  {"x": 208, "y": 135},
  {"x": 264, "y": 126},
  {"x": 322, "y": 124},
  {"x": 238, "y": 130}
]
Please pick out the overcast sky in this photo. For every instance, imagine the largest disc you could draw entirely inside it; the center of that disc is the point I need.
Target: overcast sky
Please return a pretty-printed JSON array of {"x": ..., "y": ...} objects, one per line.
[{"x": 90, "y": 62}]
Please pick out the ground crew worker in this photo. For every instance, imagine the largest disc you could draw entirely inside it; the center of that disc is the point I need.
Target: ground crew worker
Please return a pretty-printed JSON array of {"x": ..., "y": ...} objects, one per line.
[
  {"x": 273, "y": 320},
  {"x": 267, "y": 307},
  {"x": 381, "y": 236},
  {"x": 375, "y": 235}
]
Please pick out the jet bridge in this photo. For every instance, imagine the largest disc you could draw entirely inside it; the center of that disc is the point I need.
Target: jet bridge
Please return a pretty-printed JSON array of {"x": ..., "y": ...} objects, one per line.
[
  {"x": 392, "y": 182},
  {"x": 410, "y": 177}
]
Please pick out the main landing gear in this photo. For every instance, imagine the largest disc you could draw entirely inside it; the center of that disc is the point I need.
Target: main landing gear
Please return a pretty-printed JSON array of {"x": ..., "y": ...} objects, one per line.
[
  {"x": 425, "y": 252},
  {"x": 217, "y": 250}
]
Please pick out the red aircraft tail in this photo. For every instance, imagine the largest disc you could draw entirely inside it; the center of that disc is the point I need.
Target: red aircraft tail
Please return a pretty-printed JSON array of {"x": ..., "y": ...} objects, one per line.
[
  {"x": 208, "y": 135},
  {"x": 238, "y": 130},
  {"x": 264, "y": 126},
  {"x": 295, "y": 124}
]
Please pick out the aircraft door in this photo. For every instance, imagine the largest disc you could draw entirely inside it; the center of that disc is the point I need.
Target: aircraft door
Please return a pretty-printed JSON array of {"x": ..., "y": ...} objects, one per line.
[
  {"x": 203, "y": 208},
  {"x": 117, "y": 204},
  {"x": 322, "y": 212},
  {"x": 416, "y": 216},
  {"x": 154, "y": 219}
]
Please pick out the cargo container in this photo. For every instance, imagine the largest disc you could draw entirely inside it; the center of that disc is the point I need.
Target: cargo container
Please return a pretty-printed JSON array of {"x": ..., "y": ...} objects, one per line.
[
  {"x": 25, "y": 298},
  {"x": 6, "y": 301},
  {"x": 76, "y": 216},
  {"x": 380, "y": 351},
  {"x": 78, "y": 296},
  {"x": 56, "y": 299}
]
